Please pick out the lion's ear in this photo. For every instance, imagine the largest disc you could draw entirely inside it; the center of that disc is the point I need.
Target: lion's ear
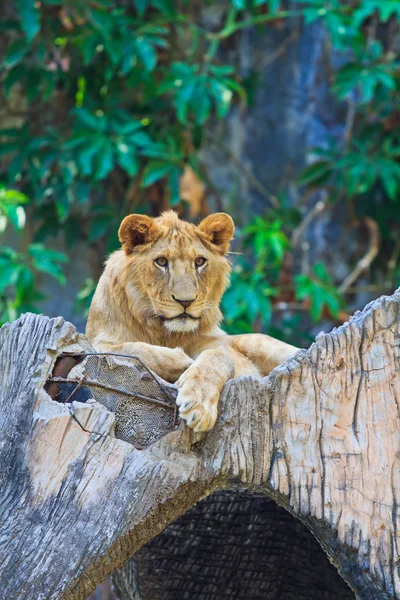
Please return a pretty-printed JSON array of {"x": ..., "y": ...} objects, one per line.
[
  {"x": 136, "y": 230},
  {"x": 218, "y": 229}
]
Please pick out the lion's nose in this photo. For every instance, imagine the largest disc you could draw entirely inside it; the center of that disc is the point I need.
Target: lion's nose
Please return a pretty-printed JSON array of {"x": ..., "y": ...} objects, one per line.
[{"x": 184, "y": 303}]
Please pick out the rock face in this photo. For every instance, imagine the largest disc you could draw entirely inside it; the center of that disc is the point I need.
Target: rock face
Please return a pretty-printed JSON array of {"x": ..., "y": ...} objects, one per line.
[{"x": 290, "y": 112}]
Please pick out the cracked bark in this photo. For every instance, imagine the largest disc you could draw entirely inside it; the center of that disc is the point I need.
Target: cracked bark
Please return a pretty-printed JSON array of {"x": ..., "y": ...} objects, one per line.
[{"x": 320, "y": 436}]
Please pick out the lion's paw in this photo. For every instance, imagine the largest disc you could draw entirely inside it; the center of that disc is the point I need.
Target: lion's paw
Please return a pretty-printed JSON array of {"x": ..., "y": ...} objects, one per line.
[{"x": 197, "y": 400}]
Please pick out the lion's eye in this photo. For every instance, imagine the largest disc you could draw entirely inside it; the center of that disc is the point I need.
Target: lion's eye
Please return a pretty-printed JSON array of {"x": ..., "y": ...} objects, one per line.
[
  {"x": 200, "y": 261},
  {"x": 161, "y": 261}
]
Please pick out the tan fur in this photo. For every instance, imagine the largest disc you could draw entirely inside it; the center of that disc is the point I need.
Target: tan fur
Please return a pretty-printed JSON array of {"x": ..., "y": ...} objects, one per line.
[{"x": 138, "y": 306}]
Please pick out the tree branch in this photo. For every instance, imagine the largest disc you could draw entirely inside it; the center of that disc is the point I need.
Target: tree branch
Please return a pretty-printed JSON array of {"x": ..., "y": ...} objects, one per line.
[{"x": 367, "y": 259}]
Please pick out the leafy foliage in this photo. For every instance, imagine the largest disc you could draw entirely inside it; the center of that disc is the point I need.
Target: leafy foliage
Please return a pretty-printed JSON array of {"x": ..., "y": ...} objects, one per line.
[
  {"x": 319, "y": 290},
  {"x": 259, "y": 282},
  {"x": 19, "y": 269},
  {"x": 112, "y": 102}
]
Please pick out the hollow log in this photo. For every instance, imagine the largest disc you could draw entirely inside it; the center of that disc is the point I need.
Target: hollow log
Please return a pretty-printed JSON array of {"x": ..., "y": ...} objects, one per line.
[
  {"x": 320, "y": 436},
  {"x": 233, "y": 545}
]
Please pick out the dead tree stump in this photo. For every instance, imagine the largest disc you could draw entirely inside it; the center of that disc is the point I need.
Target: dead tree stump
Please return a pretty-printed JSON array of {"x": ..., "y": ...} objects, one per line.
[{"x": 320, "y": 436}]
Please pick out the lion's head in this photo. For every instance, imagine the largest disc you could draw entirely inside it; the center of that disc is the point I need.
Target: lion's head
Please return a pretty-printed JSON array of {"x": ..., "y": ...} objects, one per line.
[{"x": 175, "y": 272}]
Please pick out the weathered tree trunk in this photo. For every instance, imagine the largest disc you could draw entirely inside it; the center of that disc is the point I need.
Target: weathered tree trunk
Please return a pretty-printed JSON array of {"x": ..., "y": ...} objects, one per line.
[{"x": 320, "y": 436}]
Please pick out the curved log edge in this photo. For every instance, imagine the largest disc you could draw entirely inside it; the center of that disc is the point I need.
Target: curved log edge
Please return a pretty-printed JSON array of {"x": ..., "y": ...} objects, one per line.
[{"x": 321, "y": 436}]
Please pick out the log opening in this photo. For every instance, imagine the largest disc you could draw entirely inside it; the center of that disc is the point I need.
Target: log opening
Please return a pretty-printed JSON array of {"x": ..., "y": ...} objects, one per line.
[{"x": 232, "y": 546}]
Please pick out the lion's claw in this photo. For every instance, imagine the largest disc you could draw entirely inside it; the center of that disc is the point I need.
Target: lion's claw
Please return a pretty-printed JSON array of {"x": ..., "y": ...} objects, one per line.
[{"x": 197, "y": 401}]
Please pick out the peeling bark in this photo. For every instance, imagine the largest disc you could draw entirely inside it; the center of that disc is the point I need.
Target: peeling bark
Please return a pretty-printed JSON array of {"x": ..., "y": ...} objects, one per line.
[{"x": 320, "y": 436}]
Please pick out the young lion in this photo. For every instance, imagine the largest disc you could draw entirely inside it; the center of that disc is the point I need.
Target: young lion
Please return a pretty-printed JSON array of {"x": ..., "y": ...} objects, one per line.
[{"x": 158, "y": 299}]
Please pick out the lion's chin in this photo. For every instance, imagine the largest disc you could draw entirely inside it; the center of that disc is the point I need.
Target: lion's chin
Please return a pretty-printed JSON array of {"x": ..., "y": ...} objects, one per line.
[{"x": 181, "y": 325}]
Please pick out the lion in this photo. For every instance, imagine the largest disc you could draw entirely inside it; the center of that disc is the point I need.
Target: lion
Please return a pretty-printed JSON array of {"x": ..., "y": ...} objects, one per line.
[{"x": 158, "y": 299}]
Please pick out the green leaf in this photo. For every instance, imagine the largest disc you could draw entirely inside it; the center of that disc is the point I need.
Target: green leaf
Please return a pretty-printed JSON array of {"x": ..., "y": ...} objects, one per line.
[
  {"x": 50, "y": 268},
  {"x": 321, "y": 272},
  {"x": 124, "y": 127},
  {"x": 236, "y": 87},
  {"x": 319, "y": 290},
  {"x": 96, "y": 122},
  {"x": 102, "y": 20},
  {"x": 252, "y": 303},
  {"x": 278, "y": 242},
  {"x": 221, "y": 70},
  {"x": 24, "y": 285},
  {"x": 390, "y": 177},
  {"x": 147, "y": 53},
  {"x": 85, "y": 156},
  {"x": 41, "y": 252},
  {"x": 223, "y": 96},
  {"x": 13, "y": 76},
  {"x": 265, "y": 310},
  {"x": 140, "y": 6},
  {"x": 183, "y": 98},
  {"x": 174, "y": 176},
  {"x": 30, "y": 18},
  {"x": 317, "y": 173},
  {"x": 46, "y": 261},
  {"x": 98, "y": 226},
  {"x": 233, "y": 302},
  {"x": 201, "y": 106},
  {"x": 155, "y": 170},
  {"x": 127, "y": 160},
  {"x": 8, "y": 273},
  {"x": 104, "y": 160},
  {"x": 16, "y": 215},
  {"x": 115, "y": 50},
  {"x": 140, "y": 138},
  {"x": 15, "y": 53},
  {"x": 84, "y": 297},
  {"x": 12, "y": 196},
  {"x": 74, "y": 142},
  {"x": 89, "y": 48}
]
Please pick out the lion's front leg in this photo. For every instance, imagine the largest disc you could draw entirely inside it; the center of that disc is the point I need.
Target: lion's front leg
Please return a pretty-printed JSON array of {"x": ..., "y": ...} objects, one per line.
[
  {"x": 262, "y": 350},
  {"x": 168, "y": 363},
  {"x": 200, "y": 387}
]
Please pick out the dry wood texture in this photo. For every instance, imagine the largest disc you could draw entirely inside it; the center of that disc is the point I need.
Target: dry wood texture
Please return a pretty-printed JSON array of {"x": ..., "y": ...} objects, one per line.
[{"x": 321, "y": 436}]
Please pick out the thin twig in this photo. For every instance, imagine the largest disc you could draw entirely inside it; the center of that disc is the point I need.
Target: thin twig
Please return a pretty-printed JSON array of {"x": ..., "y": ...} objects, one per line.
[
  {"x": 392, "y": 36},
  {"x": 371, "y": 35},
  {"x": 281, "y": 49},
  {"x": 367, "y": 259},
  {"x": 81, "y": 382},
  {"x": 252, "y": 21},
  {"x": 350, "y": 116},
  {"x": 249, "y": 176},
  {"x": 92, "y": 382},
  {"x": 164, "y": 389},
  {"x": 319, "y": 208},
  {"x": 392, "y": 262},
  {"x": 361, "y": 289}
]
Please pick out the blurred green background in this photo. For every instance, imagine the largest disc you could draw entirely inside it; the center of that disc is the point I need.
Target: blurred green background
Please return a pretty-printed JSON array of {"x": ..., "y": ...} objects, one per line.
[{"x": 284, "y": 114}]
